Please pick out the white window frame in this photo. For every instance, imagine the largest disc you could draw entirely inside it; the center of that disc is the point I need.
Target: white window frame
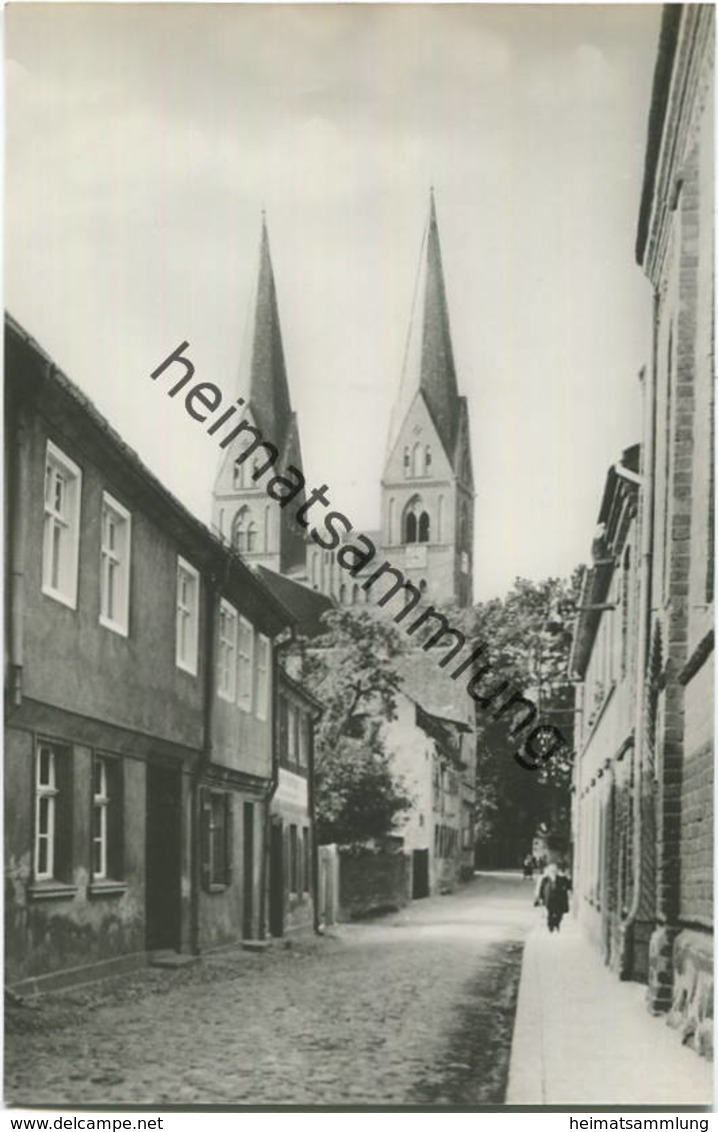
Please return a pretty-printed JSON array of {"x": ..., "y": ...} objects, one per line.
[
  {"x": 45, "y": 791},
  {"x": 245, "y": 663},
  {"x": 120, "y": 558},
  {"x": 101, "y": 802},
  {"x": 61, "y": 524},
  {"x": 191, "y": 613},
  {"x": 227, "y": 652},
  {"x": 264, "y": 655}
]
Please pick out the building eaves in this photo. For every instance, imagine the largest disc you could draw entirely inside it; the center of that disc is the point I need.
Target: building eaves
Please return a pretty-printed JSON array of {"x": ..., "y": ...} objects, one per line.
[{"x": 226, "y": 566}]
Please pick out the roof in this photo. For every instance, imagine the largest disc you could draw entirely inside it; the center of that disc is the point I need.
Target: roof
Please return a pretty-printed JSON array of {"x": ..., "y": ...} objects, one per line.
[
  {"x": 429, "y": 357},
  {"x": 597, "y": 578},
  {"x": 263, "y": 375},
  {"x": 304, "y": 605},
  {"x": 56, "y": 392},
  {"x": 659, "y": 103},
  {"x": 431, "y": 687}
]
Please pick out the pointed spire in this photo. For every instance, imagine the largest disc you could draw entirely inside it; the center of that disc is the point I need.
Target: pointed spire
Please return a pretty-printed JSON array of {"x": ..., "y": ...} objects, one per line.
[
  {"x": 437, "y": 377},
  {"x": 263, "y": 378},
  {"x": 429, "y": 357}
]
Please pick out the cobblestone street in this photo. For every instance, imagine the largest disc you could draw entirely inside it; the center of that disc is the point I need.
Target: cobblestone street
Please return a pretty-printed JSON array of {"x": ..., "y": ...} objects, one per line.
[{"x": 413, "y": 1008}]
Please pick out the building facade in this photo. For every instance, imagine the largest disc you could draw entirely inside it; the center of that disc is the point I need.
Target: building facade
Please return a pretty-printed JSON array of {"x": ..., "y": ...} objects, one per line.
[
  {"x": 675, "y": 248},
  {"x": 603, "y": 661},
  {"x": 644, "y": 834},
  {"x": 139, "y": 754},
  {"x": 432, "y": 747}
]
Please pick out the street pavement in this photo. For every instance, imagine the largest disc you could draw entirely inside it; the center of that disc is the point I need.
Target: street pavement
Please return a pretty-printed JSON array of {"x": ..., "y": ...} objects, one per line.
[
  {"x": 582, "y": 1037},
  {"x": 412, "y": 1008}
]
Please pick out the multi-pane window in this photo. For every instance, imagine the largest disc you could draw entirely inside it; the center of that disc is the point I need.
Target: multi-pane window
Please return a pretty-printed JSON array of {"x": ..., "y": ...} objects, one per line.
[
  {"x": 217, "y": 837},
  {"x": 263, "y": 659},
  {"x": 115, "y": 565},
  {"x": 46, "y": 792},
  {"x": 100, "y": 804},
  {"x": 63, "y": 482},
  {"x": 187, "y": 616},
  {"x": 227, "y": 677},
  {"x": 307, "y": 858},
  {"x": 293, "y": 859},
  {"x": 246, "y": 664},
  {"x": 106, "y": 819}
]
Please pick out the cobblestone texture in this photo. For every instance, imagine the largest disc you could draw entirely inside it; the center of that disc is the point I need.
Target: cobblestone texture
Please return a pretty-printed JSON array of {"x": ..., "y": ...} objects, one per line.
[{"x": 414, "y": 1008}]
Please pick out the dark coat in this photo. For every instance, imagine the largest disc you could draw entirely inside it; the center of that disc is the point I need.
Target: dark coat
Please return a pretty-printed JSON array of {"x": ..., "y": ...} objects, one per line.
[{"x": 553, "y": 893}]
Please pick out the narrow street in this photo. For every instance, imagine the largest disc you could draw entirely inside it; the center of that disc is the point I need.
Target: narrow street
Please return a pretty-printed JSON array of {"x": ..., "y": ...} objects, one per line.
[{"x": 412, "y": 1008}]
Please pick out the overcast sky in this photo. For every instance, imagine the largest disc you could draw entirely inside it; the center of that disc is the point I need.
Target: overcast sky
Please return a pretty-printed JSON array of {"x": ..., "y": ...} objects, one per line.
[{"x": 143, "y": 142}]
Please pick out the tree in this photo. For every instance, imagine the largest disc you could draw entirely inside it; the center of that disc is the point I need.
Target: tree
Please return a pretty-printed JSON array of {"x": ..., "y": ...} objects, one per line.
[
  {"x": 527, "y": 638},
  {"x": 351, "y": 669}
]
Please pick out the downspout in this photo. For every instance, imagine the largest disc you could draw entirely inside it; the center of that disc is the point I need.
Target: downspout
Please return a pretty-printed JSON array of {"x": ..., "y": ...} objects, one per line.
[
  {"x": 18, "y": 488},
  {"x": 644, "y": 611},
  {"x": 201, "y": 764}
]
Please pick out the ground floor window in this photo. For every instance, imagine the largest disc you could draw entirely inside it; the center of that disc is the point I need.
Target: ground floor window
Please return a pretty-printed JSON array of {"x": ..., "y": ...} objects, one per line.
[
  {"x": 293, "y": 860},
  {"x": 107, "y": 855},
  {"x": 53, "y": 833},
  {"x": 216, "y": 837},
  {"x": 307, "y": 858}
]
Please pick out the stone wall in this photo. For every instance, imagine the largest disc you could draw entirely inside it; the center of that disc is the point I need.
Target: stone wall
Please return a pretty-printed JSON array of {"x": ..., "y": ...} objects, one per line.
[{"x": 372, "y": 882}]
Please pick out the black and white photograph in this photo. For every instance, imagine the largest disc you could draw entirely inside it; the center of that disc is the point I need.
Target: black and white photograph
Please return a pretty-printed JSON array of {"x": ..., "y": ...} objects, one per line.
[{"x": 359, "y": 560}]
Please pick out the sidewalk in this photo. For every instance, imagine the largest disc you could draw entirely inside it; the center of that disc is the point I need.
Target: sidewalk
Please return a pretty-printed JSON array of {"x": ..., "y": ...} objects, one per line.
[{"x": 582, "y": 1037}]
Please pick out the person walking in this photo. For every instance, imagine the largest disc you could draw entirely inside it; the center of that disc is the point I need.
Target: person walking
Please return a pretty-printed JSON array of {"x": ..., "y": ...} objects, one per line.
[
  {"x": 553, "y": 891},
  {"x": 529, "y": 865}
]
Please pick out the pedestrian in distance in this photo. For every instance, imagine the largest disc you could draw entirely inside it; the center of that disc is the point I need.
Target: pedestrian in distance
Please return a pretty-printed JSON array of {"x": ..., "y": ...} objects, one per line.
[
  {"x": 529, "y": 864},
  {"x": 553, "y": 891}
]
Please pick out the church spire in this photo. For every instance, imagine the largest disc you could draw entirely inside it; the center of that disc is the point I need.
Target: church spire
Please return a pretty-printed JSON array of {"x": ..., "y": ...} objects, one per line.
[
  {"x": 429, "y": 358},
  {"x": 263, "y": 375}
]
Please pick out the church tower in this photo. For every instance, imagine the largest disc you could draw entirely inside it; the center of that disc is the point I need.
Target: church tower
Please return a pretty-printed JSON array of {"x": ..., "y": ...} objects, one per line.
[
  {"x": 242, "y": 514},
  {"x": 427, "y": 486}
]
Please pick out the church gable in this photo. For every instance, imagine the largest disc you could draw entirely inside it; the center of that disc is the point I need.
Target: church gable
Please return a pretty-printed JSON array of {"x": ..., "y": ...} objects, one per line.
[{"x": 418, "y": 452}]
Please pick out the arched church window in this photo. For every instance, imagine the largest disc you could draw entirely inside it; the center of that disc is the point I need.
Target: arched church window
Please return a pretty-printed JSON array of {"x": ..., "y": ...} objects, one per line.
[
  {"x": 417, "y": 461},
  {"x": 315, "y": 571},
  {"x": 251, "y": 537},
  {"x": 407, "y": 461},
  {"x": 221, "y": 522},
  {"x": 390, "y": 522},
  {"x": 342, "y": 594},
  {"x": 355, "y": 594},
  {"x": 422, "y": 585},
  {"x": 440, "y": 519},
  {"x": 427, "y": 460},
  {"x": 412, "y": 522},
  {"x": 240, "y": 526},
  {"x": 238, "y": 475},
  {"x": 267, "y": 528}
]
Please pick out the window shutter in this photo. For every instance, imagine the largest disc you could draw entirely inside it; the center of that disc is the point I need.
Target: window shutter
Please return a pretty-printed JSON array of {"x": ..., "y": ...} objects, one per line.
[
  {"x": 63, "y": 815},
  {"x": 115, "y": 820},
  {"x": 205, "y": 813},
  {"x": 228, "y": 835}
]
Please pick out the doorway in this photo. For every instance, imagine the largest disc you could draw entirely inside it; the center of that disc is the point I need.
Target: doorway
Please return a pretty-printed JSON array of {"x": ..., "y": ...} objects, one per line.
[
  {"x": 276, "y": 879},
  {"x": 248, "y": 887},
  {"x": 420, "y": 874},
  {"x": 163, "y": 858}
]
